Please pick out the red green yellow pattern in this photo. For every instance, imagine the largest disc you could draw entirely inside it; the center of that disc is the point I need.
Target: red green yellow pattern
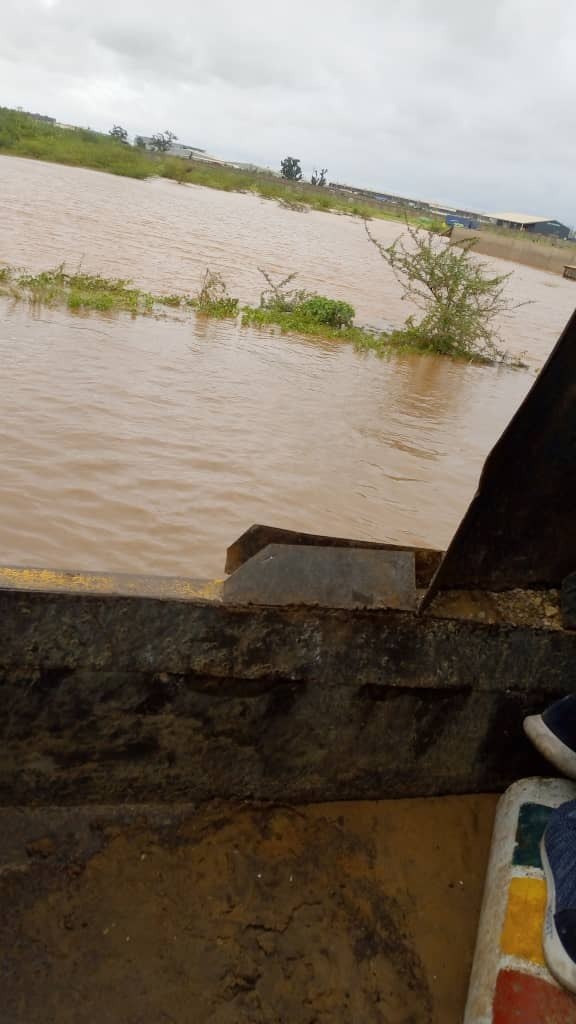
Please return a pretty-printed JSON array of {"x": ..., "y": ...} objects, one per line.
[
  {"x": 524, "y": 999},
  {"x": 510, "y": 983}
]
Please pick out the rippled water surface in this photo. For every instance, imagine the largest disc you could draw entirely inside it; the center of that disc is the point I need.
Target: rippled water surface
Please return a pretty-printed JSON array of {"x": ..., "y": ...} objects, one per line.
[{"x": 148, "y": 446}]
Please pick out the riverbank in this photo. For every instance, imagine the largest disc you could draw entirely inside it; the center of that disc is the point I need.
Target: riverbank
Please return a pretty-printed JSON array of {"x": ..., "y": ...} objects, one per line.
[
  {"x": 24, "y": 136},
  {"x": 295, "y": 195},
  {"x": 536, "y": 251}
]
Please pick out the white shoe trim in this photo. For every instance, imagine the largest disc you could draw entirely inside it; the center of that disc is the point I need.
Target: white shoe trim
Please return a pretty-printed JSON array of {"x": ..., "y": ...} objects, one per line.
[
  {"x": 553, "y": 749},
  {"x": 558, "y": 962}
]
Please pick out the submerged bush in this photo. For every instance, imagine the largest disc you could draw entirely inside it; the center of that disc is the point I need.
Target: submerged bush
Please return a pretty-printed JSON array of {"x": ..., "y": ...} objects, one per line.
[
  {"x": 278, "y": 297},
  {"x": 332, "y": 312},
  {"x": 459, "y": 298},
  {"x": 299, "y": 310}
]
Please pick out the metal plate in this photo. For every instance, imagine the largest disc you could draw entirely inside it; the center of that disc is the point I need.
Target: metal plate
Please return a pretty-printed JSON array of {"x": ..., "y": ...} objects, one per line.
[
  {"x": 287, "y": 574},
  {"x": 259, "y": 536}
]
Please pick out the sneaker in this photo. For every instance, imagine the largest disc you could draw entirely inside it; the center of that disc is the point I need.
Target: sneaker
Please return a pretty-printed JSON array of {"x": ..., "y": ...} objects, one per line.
[
  {"x": 558, "y": 853},
  {"x": 554, "y": 734}
]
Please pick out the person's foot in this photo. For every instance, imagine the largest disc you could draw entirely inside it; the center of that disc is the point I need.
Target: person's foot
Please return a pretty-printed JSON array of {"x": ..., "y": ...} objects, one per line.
[
  {"x": 553, "y": 733},
  {"x": 558, "y": 853}
]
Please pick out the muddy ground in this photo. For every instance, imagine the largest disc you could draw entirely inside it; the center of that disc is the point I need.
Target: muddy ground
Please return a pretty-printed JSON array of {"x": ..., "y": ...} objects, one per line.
[{"x": 355, "y": 913}]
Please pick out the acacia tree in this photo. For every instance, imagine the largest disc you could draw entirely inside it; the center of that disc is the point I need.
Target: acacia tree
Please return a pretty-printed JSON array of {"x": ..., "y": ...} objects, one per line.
[
  {"x": 319, "y": 178},
  {"x": 290, "y": 169},
  {"x": 119, "y": 133},
  {"x": 459, "y": 297},
  {"x": 162, "y": 141}
]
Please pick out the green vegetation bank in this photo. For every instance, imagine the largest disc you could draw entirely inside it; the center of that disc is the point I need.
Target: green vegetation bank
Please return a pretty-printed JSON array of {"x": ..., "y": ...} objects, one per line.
[{"x": 25, "y": 136}]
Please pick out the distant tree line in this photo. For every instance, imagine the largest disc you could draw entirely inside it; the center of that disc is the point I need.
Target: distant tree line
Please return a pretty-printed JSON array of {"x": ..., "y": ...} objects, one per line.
[
  {"x": 160, "y": 142},
  {"x": 119, "y": 133},
  {"x": 291, "y": 170}
]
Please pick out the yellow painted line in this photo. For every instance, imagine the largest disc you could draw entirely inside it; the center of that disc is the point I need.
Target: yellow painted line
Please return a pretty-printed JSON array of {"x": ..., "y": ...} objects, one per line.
[
  {"x": 50, "y": 579},
  {"x": 210, "y": 590},
  {"x": 522, "y": 931},
  {"x": 121, "y": 584}
]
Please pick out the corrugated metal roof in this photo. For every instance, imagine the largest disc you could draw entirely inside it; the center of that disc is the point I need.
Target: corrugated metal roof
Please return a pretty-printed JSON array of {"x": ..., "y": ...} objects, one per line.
[{"x": 519, "y": 218}]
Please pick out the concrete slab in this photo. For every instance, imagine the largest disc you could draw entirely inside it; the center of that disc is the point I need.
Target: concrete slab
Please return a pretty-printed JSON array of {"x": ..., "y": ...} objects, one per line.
[
  {"x": 332, "y": 913},
  {"x": 288, "y": 574}
]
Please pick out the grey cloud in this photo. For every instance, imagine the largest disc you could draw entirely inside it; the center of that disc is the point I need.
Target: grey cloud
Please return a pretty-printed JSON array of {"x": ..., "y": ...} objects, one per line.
[
  {"x": 150, "y": 53},
  {"x": 469, "y": 102},
  {"x": 137, "y": 43}
]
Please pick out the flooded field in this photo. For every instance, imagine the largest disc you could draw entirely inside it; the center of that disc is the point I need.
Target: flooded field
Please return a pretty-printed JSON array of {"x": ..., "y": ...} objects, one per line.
[{"x": 147, "y": 446}]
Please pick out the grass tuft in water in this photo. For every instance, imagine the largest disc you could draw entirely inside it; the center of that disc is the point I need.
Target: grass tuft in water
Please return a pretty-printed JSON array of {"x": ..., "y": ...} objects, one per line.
[
  {"x": 212, "y": 298},
  {"x": 77, "y": 291}
]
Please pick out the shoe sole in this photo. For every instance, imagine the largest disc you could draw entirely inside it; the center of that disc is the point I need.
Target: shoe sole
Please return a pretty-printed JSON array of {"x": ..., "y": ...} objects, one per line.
[
  {"x": 561, "y": 967},
  {"x": 553, "y": 749}
]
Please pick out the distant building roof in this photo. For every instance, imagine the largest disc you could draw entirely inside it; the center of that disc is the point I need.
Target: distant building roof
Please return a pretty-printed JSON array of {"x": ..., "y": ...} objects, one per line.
[
  {"x": 520, "y": 218},
  {"x": 175, "y": 147},
  {"x": 41, "y": 117},
  {"x": 435, "y": 205}
]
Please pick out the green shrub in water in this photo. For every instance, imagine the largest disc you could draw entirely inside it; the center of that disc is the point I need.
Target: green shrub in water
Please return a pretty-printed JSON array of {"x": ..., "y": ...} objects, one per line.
[
  {"x": 332, "y": 312},
  {"x": 461, "y": 300},
  {"x": 295, "y": 309}
]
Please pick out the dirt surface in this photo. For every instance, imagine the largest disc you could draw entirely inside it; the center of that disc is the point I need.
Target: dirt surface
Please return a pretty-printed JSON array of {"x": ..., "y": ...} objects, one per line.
[
  {"x": 343, "y": 913},
  {"x": 539, "y": 609}
]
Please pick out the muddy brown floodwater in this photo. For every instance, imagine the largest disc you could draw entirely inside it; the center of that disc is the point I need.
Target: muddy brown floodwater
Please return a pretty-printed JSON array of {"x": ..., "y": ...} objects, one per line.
[{"x": 148, "y": 446}]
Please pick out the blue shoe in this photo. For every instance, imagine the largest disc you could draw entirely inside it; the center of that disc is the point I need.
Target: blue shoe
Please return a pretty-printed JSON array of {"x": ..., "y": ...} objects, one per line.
[
  {"x": 558, "y": 853},
  {"x": 554, "y": 734}
]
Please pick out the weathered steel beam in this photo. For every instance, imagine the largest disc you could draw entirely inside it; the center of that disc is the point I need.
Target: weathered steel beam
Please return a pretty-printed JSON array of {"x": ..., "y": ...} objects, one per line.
[{"x": 520, "y": 530}]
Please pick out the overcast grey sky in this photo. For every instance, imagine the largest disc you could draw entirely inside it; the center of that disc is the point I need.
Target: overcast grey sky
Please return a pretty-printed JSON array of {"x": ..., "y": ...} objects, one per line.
[{"x": 465, "y": 101}]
